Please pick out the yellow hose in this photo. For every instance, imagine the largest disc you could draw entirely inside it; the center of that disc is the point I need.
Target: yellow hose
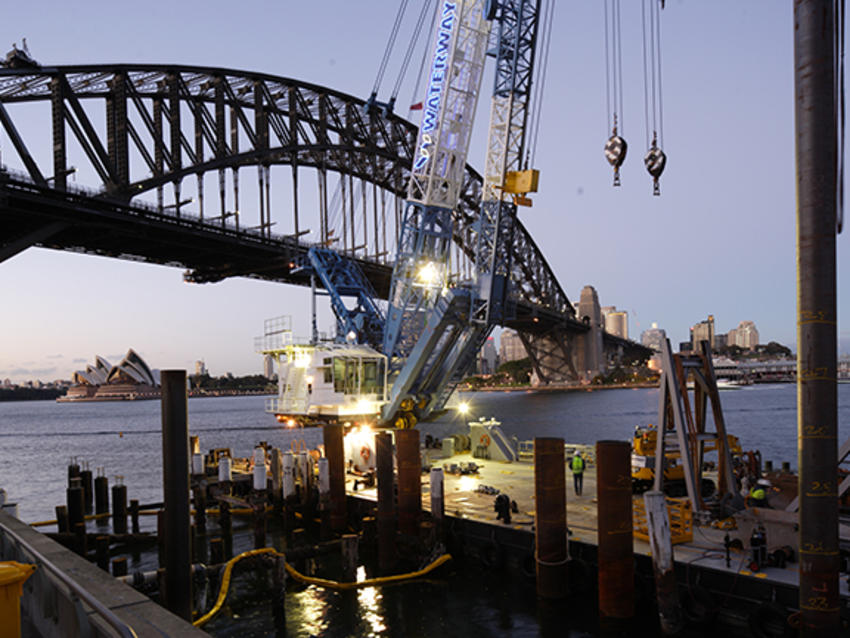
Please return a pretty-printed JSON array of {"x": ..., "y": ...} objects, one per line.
[
  {"x": 88, "y": 517},
  {"x": 225, "y": 583},
  {"x": 238, "y": 511},
  {"x": 320, "y": 582},
  {"x": 371, "y": 582}
]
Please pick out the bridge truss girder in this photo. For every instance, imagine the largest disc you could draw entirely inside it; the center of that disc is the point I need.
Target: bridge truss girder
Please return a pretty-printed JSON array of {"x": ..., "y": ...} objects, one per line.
[{"x": 184, "y": 121}]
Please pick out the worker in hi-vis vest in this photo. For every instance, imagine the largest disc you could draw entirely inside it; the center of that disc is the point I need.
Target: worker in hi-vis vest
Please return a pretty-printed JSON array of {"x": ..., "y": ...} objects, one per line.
[{"x": 578, "y": 472}]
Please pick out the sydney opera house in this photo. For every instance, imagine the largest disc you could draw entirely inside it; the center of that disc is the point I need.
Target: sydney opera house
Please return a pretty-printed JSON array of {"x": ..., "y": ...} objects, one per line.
[{"x": 129, "y": 380}]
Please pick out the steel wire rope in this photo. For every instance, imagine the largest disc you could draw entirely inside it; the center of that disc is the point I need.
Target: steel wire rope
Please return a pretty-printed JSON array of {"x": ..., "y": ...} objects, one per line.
[
  {"x": 652, "y": 66},
  {"x": 619, "y": 44},
  {"x": 430, "y": 38},
  {"x": 660, "y": 92},
  {"x": 614, "y": 65},
  {"x": 411, "y": 47},
  {"x": 390, "y": 44},
  {"x": 542, "y": 71},
  {"x": 653, "y": 105},
  {"x": 334, "y": 213},
  {"x": 840, "y": 113},
  {"x": 645, "y": 74},
  {"x": 608, "y": 112}
]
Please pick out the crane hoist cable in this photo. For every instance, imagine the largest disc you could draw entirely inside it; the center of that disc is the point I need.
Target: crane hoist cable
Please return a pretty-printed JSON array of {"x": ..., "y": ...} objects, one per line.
[
  {"x": 540, "y": 82},
  {"x": 417, "y": 31},
  {"x": 414, "y": 104},
  {"x": 655, "y": 160},
  {"x": 616, "y": 146},
  {"x": 388, "y": 106},
  {"x": 389, "y": 48},
  {"x": 839, "y": 114}
]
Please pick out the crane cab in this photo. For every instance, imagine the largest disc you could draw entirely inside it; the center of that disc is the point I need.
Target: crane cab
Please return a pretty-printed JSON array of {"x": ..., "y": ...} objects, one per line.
[{"x": 329, "y": 383}]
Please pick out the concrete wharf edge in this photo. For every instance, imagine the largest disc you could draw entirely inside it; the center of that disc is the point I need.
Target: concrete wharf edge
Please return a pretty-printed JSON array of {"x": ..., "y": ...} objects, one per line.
[
  {"x": 702, "y": 562},
  {"x": 143, "y": 615}
]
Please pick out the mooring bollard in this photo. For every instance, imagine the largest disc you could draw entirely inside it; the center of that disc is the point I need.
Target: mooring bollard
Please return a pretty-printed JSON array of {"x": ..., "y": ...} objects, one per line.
[
  {"x": 279, "y": 579},
  {"x": 102, "y": 549},
  {"x": 386, "y": 501},
  {"x": 277, "y": 479},
  {"x": 306, "y": 474},
  {"x": 119, "y": 566},
  {"x": 216, "y": 551},
  {"x": 175, "y": 461},
  {"x": 81, "y": 540},
  {"x": 225, "y": 479},
  {"x": 324, "y": 499},
  {"x": 101, "y": 496},
  {"x": 199, "y": 497},
  {"x": 86, "y": 477},
  {"x": 550, "y": 517},
  {"x": 119, "y": 508},
  {"x": 74, "y": 499},
  {"x": 409, "y": 481},
  {"x": 225, "y": 473},
  {"x": 290, "y": 498},
  {"x": 614, "y": 514},
  {"x": 160, "y": 536},
  {"x": 134, "y": 515},
  {"x": 350, "y": 556},
  {"x": 62, "y": 524},
  {"x": 260, "y": 473},
  {"x": 73, "y": 470},
  {"x": 437, "y": 499},
  {"x": 661, "y": 546},
  {"x": 335, "y": 454},
  {"x": 258, "y": 497}
]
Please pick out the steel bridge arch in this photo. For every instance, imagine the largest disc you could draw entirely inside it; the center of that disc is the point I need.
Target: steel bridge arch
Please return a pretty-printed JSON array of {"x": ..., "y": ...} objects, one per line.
[{"x": 284, "y": 121}]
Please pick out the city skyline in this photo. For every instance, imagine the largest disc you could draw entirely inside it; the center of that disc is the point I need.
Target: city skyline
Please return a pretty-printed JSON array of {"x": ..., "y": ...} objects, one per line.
[{"x": 728, "y": 71}]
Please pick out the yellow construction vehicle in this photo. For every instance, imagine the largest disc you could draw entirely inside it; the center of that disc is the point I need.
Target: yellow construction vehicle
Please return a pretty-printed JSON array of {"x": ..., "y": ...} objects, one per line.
[{"x": 644, "y": 445}]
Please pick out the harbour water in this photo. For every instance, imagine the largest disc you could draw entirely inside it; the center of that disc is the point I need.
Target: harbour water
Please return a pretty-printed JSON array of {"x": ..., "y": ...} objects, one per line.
[{"x": 39, "y": 438}]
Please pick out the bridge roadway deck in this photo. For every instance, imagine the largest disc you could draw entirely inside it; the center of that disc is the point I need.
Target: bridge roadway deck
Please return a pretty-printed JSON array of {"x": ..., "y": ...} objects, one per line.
[
  {"x": 82, "y": 222},
  {"x": 704, "y": 552}
]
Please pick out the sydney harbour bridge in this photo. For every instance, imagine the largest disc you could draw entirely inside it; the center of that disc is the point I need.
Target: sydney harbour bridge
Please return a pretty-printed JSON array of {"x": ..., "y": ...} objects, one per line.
[{"x": 168, "y": 149}]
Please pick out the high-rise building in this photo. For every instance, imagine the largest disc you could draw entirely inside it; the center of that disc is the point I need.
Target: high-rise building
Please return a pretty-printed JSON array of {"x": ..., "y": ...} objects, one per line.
[
  {"x": 747, "y": 336},
  {"x": 703, "y": 331},
  {"x": 617, "y": 323},
  {"x": 200, "y": 368},
  {"x": 487, "y": 360},
  {"x": 510, "y": 346},
  {"x": 653, "y": 337}
]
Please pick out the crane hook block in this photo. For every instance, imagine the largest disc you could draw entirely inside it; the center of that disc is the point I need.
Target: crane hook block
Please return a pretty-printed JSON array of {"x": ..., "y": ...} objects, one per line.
[
  {"x": 615, "y": 153},
  {"x": 655, "y": 161}
]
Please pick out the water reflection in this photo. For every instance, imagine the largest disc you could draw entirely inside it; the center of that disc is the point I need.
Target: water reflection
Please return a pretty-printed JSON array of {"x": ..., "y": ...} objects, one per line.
[
  {"x": 370, "y": 607},
  {"x": 312, "y": 612}
]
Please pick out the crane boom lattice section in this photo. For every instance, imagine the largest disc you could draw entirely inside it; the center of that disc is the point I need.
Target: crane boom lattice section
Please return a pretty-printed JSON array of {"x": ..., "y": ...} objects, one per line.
[{"x": 436, "y": 178}]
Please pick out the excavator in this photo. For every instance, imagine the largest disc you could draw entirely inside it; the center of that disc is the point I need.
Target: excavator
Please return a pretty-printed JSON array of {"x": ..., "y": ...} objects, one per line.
[{"x": 644, "y": 445}]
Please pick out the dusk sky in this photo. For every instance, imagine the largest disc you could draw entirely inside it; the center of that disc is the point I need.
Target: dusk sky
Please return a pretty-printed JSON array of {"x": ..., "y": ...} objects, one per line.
[{"x": 719, "y": 240}]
